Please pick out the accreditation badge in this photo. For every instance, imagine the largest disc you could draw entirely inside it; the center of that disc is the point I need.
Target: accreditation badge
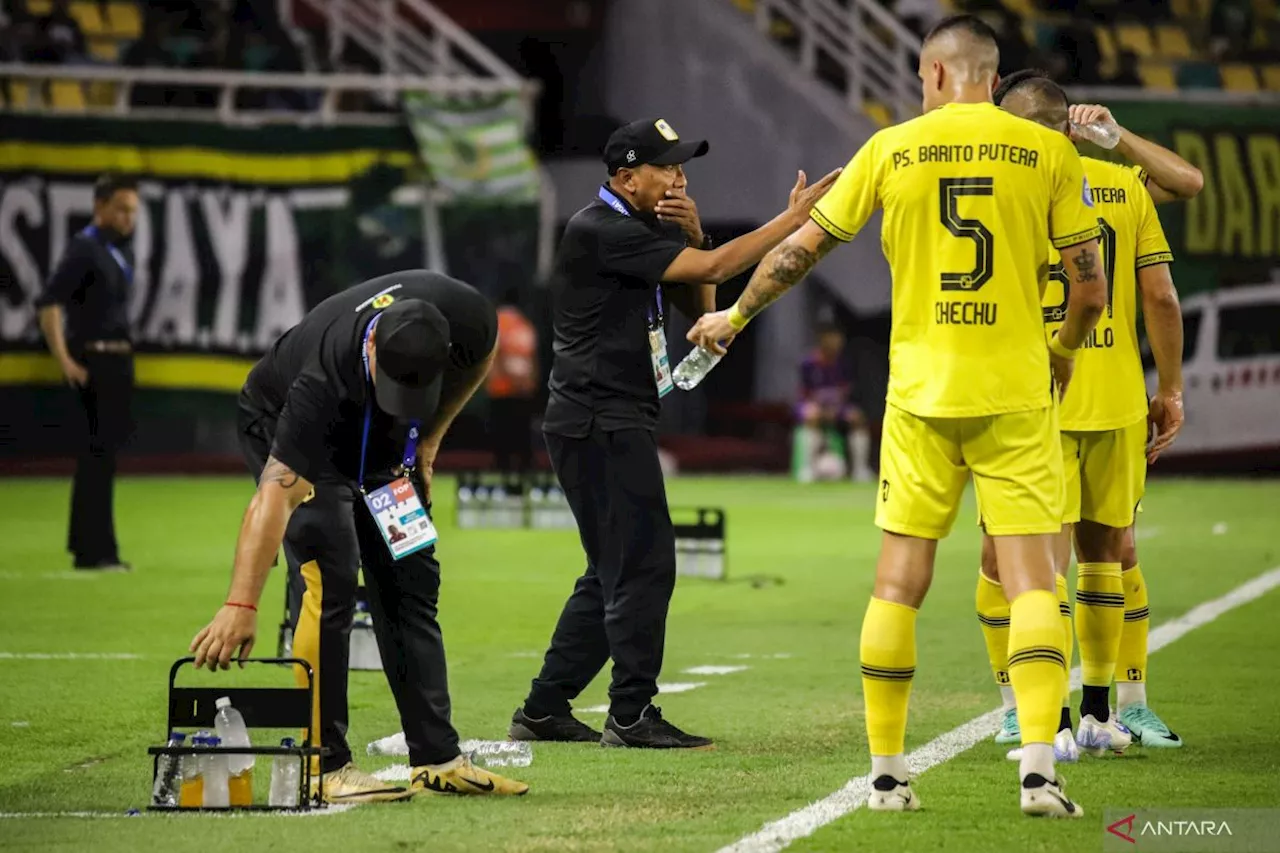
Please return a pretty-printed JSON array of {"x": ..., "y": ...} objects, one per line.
[
  {"x": 661, "y": 364},
  {"x": 399, "y": 514}
]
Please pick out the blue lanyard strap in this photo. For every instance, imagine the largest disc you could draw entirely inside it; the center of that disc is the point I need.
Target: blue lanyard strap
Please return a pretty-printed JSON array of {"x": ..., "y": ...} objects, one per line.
[
  {"x": 608, "y": 197},
  {"x": 120, "y": 259},
  {"x": 411, "y": 442}
]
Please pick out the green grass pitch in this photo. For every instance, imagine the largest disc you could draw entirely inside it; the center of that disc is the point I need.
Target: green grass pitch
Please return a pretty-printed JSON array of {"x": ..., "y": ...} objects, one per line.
[{"x": 74, "y": 732}]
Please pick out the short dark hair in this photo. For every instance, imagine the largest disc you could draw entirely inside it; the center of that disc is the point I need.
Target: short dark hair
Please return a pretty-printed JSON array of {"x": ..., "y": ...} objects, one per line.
[
  {"x": 1037, "y": 77},
  {"x": 110, "y": 183},
  {"x": 970, "y": 25}
]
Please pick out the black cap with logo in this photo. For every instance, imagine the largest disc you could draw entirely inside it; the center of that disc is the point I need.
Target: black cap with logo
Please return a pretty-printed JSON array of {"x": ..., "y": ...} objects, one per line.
[
  {"x": 412, "y": 352},
  {"x": 651, "y": 141}
]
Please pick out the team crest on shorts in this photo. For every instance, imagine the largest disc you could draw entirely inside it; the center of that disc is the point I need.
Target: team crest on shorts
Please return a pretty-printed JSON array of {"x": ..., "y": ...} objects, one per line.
[{"x": 383, "y": 300}]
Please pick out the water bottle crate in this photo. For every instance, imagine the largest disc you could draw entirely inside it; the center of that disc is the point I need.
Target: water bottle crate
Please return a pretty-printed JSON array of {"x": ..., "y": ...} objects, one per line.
[
  {"x": 700, "y": 542},
  {"x": 195, "y": 708},
  {"x": 493, "y": 499}
]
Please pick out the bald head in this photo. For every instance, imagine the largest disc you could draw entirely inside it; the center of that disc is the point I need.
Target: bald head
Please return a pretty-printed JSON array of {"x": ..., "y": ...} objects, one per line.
[
  {"x": 958, "y": 61},
  {"x": 1030, "y": 94}
]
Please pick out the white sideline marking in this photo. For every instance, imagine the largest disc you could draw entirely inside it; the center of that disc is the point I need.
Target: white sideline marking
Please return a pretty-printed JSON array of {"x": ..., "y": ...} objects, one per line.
[
  {"x": 713, "y": 670},
  {"x": 679, "y": 687},
  {"x": 20, "y": 724},
  {"x": 593, "y": 709},
  {"x": 394, "y": 773},
  {"x": 778, "y": 656},
  {"x": 775, "y": 836},
  {"x": 68, "y": 656},
  {"x": 1220, "y": 528}
]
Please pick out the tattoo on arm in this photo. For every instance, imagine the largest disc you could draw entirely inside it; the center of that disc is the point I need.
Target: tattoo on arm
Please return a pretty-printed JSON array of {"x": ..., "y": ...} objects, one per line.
[
  {"x": 279, "y": 473},
  {"x": 1086, "y": 265},
  {"x": 779, "y": 272}
]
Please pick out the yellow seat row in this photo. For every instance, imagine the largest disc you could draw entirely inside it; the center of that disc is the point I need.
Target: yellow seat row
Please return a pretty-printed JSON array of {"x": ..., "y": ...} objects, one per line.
[
  {"x": 1167, "y": 41},
  {"x": 123, "y": 19}
]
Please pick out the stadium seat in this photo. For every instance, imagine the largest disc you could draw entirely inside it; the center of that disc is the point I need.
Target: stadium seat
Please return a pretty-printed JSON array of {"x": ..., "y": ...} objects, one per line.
[
  {"x": 1106, "y": 43},
  {"x": 1271, "y": 77},
  {"x": 1172, "y": 42},
  {"x": 1157, "y": 75},
  {"x": 1023, "y": 8},
  {"x": 1135, "y": 37},
  {"x": 1198, "y": 75},
  {"x": 1238, "y": 77},
  {"x": 88, "y": 16},
  {"x": 877, "y": 112},
  {"x": 19, "y": 94},
  {"x": 125, "y": 20},
  {"x": 105, "y": 48},
  {"x": 36, "y": 8},
  {"x": 748, "y": 6},
  {"x": 66, "y": 95}
]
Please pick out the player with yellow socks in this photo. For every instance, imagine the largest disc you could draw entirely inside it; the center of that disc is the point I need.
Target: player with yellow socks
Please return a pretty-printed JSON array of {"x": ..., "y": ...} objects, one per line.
[
  {"x": 1105, "y": 429},
  {"x": 972, "y": 199}
]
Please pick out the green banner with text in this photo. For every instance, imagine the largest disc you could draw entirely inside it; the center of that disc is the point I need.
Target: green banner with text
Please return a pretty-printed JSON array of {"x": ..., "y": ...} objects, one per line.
[{"x": 1229, "y": 235}]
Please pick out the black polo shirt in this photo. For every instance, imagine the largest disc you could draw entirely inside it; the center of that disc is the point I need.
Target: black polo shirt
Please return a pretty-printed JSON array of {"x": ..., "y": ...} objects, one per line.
[
  {"x": 308, "y": 392},
  {"x": 608, "y": 269},
  {"x": 91, "y": 282}
]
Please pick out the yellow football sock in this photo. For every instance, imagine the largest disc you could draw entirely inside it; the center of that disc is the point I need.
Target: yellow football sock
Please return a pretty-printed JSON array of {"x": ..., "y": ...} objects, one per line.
[
  {"x": 993, "y": 615},
  {"x": 1099, "y": 621},
  {"x": 1036, "y": 663},
  {"x": 1068, "y": 637},
  {"x": 1131, "y": 662},
  {"x": 888, "y": 665}
]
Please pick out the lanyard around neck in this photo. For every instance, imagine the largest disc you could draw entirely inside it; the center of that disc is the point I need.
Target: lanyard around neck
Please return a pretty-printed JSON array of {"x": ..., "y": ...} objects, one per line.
[
  {"x": 610, "y": 198},
  {"x": 411, "y": 442},
  {"x": 120, "y": 259}
]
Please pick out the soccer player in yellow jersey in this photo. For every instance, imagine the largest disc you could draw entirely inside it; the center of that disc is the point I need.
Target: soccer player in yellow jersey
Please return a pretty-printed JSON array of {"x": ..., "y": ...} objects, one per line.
[
  {"x": 972, "y": 199},
  {"x": 1105, "y": 420}
]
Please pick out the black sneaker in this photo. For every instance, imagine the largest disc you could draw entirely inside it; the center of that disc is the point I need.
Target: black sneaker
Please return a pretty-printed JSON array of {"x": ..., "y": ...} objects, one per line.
[
  {"x": 104, "y": 566},
  {"x": 651, "y": 732},
  {"x": 566, "y": 728}
]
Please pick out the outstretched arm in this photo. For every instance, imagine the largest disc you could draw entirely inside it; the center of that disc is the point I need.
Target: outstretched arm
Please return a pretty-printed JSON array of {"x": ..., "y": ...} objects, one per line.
[
  {"x": 1169, "y": 177},
  {"x": 780, "y": 271}
]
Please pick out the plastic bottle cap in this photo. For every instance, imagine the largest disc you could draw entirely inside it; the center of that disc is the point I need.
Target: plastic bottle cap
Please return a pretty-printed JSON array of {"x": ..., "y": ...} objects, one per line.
[
  {"x": 178, "y": 736},
  {"x": 224, "y": 702}
]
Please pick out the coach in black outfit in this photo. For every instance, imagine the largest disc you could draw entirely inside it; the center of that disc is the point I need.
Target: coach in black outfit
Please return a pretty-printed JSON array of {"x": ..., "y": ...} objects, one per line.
[
  {"x": 623, "y": 258},
  {"x": 341, "y": 421},
  {"x": 84, "y": 314}
]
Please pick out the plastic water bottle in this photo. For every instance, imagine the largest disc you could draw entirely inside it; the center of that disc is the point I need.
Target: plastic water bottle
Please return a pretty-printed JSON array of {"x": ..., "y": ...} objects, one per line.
[
  {"x": 499, "y": 753},
  {"x": 168, "y": 775},
  {"x": 233, "y": 733},
  {"x": 217, "y": 794},
  {"x": 191, "y": 794},
  {"x": 694, "y": 367},
  {"x": 1101, "y": 133},
  {"x": 284, "y": 778}
]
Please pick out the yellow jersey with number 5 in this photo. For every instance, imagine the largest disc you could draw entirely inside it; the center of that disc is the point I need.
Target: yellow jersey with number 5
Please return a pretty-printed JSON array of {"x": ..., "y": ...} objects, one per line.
[
  {"x": 1107, "y": 390},
  {"x": 972, "y": 198}
]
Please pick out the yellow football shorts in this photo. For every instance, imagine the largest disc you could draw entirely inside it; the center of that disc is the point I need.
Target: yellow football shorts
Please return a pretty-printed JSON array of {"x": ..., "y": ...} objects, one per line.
[
  {"x": 1015, "y": 459},
  {"x": 1106, "y": 474}
]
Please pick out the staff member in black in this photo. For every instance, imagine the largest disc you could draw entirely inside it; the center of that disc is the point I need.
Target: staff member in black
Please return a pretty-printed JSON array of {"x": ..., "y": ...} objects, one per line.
[
  {"x": 341, "y": 421},
  {"x": 84, "y": 315},
  {"x": 618, "y": 263}
]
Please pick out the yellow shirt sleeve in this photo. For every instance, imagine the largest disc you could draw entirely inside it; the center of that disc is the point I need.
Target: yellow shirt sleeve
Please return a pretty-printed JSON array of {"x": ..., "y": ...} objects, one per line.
[
  {"x": 1072, "y": 218},
  {"x": 849, "y": 204},
  {"x": 1141, "y": 174},
  {"x": 1153, "y": 246}
]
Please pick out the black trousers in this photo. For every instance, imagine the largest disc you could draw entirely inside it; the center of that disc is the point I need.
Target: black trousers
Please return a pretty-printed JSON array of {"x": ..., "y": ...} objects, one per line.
[
  {"x": 106, "y": 399},
  {"x": 618, "y": 609},
  {"x": 328, "y": 539}
]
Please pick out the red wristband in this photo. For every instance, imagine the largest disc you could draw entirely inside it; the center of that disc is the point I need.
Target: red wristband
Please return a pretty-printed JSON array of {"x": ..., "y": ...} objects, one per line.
[{"x": 252, "y": 607}]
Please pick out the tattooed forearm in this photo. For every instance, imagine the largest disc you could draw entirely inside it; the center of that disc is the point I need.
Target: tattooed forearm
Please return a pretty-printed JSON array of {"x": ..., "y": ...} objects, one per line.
[
  {"x": 1086, "y": 263},
  {"x": 279, "y": 473},
  {"x": 781, "y": 270}
]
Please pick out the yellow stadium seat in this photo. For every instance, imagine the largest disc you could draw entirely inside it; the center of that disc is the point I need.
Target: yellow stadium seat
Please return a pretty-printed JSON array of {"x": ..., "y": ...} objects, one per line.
[
  {"x": 1271, "y": 77},
  {"x": 66, "y": 95},
  {"x": 19, "y": 94},
  {"x": 878, "y": 113},
  {"x": 1135, "y": 37},
  {"x": 106, "y": 49},
  {"x": 125, "y": 20},
  {"x": 1237, "y": 77},
  {"x": 1172, "y": 42},
  {"x": 39, "y": 7},
  {"x": 1022, "y": 8},
  {"x": 1157, "y": 75},
  {"x": 748, "y": 6},
  {"x": 1106, "y": 43},
  {"x": 1183, "y": 9},
  {"x": 88, "y": 16}
]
